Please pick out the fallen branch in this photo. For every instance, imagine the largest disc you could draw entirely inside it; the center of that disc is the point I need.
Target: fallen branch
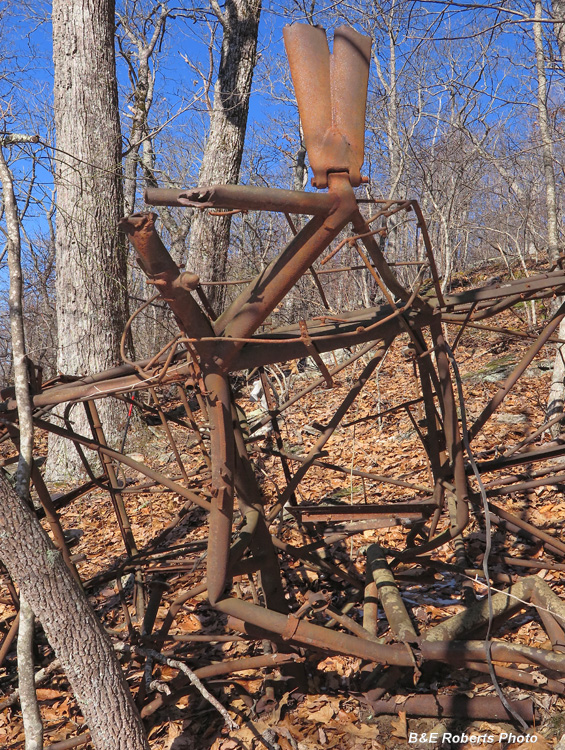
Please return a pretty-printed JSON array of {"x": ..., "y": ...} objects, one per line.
[{"x": 40, "y": 676}]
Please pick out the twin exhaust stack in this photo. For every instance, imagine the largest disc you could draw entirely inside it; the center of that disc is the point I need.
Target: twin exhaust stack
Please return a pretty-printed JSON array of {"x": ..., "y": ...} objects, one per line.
[{"x": 331, "y": 92}]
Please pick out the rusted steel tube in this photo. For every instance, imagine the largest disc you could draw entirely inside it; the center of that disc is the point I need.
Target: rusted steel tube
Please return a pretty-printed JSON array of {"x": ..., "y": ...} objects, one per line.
[
  {"x": 553, "y": 541},
  {"x": 271, "y": 406},
  {"x": 330, "y": 429},
  {"x": 389, "y": 596},
  {"x": 123, "y": 459},
  {"x": 525, "y": 486},
  {"x": 462, "y": 652},
  {"x": 9, "y": 638},
  {"x": 422, "y": 225},
  {"x": 451, "y": 320},
  {"x": 180, "y": 599},
  {"x": 370, "y": 606},
  {"x": 450, "y": 652},
  {"x": 243, "y": 197},
  {"x": 349, "y": 624},
  {"x": 156, "y": 589},
  {"x": 114, "y": 485},
  {"x": 250, "y": 500},
  {"x": 355, "y": 472},
  {"x": 259, "y": 299},
  {"x": 518, "y": 371},
  {"x": 553, "y": 629},
  {"x": 457, "y": 653},
  {"x": 193, "y": 423},
  {"x": 168, "y": 432},
  {"x": 252, "y": 632},
  {"x": 200, "y": 638},
  {"x": 105, "y": 387},
  {"x": 526, "y": 457},
  {"x": 117, "y": 502},
  {"x": 61, "y": 501},
  {"x": 292, "y": 629},
  {"x": 461, "y": 706},
  {"x": 250, "y": 662},
  {"x": 362, "y": 228},
  {"x": 222, "y": 451},
  {"x": 256, "y": 352},
  {"x": 504, "y": 603},
  {"x": 527, "y": 475},
  {"x": 520, "y": 676},
  {"x": 515, "y": 286},
  {"x": 537, "y": 564},
  {"x": 519, "y": 531},
  {"x": 163, "y": 272},
  {"x": 82, "y": 739},
  {"x": 532, "y": 436}
]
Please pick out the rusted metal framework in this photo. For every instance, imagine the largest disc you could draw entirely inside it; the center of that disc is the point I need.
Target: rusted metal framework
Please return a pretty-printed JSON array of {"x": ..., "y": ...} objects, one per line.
[{"x": 331, "y": 94}]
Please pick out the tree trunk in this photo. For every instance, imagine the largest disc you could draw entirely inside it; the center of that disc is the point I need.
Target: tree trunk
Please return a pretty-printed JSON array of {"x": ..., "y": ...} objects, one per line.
[
  {"x": 557, "y": 390},
  {"x": 91, "y": 256},
  {"x": 558, "y": 7},
  {"x": 546, "y": 139},
  {"x": 33, "y": 728},
  {"x": 210, "y": 235},
  {"x": 138, "y": 58},
  {"x": 71, "y": 627}
]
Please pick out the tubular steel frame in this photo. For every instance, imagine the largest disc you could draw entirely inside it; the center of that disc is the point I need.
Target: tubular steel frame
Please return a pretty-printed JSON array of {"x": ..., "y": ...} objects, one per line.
[{"x": 331, "y": 93}]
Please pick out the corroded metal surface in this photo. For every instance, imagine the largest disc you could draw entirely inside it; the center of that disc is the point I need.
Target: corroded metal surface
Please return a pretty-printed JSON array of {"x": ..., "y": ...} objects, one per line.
[{"x": 331, "y": 94}]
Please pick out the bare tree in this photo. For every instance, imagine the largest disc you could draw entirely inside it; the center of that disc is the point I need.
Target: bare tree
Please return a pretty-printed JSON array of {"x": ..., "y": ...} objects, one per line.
[
  {"x": 558, "y": 7},
  {"x": 91, "y": 256},
  {"x": 71, "y": 627},
  {"x": 28, "y": 699},
  {"x": 557, "y": 389},
  {"x": 142, "y": 29},
  {"x": 221, "y": 161}
]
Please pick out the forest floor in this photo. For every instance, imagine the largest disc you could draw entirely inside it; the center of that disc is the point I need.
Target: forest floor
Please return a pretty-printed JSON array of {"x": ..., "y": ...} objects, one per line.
[{"x": 334, "y": 712}]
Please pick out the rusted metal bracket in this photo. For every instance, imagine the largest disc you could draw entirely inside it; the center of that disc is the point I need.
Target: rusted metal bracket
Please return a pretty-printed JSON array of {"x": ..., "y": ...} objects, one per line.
[{"x": 313, "y": 352}]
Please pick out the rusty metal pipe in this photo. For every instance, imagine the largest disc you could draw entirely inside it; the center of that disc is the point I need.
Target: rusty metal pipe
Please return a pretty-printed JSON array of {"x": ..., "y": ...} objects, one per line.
[
  {"x": 330, "y": 429},
  {"x": 462, "y": 652},
  {"x": 9, "y": 638},
  {"x": 460, "y": 706},
  {"x": 301, "y": 631},
  {"x": 123, "y": 459},
  {"x": 519, "y": 370},
  {"x": 389, "y": 596},
  {"x": 553, "y": 541},
  {"x": 520, "y": 676},
  {"x": 180, "y": 599},
  {"x": 101, "y": 388},
  {"x": 243, "y": 197},
  {"x": 260, "y": 298},
  {"x": 175, "y": 287},
  {"x": 355, "y": 472},
  {"x": 222, "y": 452}
]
